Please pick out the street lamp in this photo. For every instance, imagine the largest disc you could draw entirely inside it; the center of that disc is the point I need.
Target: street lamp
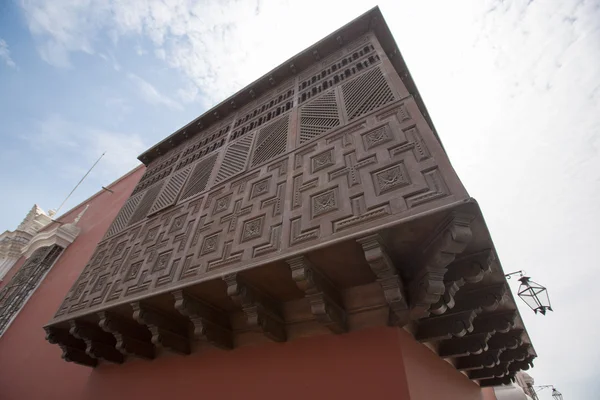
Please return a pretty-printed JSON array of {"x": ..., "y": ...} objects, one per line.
[{"x": 532, "y": 293}]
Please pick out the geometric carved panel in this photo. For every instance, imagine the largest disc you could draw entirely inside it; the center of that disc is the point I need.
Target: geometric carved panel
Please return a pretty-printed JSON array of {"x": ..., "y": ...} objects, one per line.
[
  {"x": 318, "y": 117},
  {"x": 324, "y": 202},
  {"x": 199, "y": 178},
  {"x": 366, "y": 93},
  {"x": 271, "y": 141},
  {"x": 377, "y": 137},
  {"x": 169, "y": 193},
  {"x": 235, "y": 158},
  {"x": 390, "y": 178}
]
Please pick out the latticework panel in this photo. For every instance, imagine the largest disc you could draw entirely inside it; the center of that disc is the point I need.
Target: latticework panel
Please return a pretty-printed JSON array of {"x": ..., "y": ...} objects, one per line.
[
  {"x": 145, "y": 204},
  {"x": 122, "y": 218},
  {"x": 171, "y": 189},
  {"x": 14, "y": 295},
  {"x": 199, "y": 178},
  {"x": 271, "y": 141},
  {"x": 366, "y": 93},
  {"x": 235, "y": 158},
  {"x": 318, "y": 117}
]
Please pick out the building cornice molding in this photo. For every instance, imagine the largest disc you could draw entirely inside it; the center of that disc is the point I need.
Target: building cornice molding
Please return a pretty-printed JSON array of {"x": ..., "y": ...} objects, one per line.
[{"x": 61, "y": 235}]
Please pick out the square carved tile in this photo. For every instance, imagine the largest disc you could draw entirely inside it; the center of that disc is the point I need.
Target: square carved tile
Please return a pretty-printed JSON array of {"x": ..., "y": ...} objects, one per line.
[
  {"x": 390, "y": 178},
  {"x": 377, "y": 136},
  {"x": 210, "y": 244},
  {"x": 259, "y": 188},
  {"x": 324, "y": 202},
  {"x": 322, "y": 160},
  {"x": 252, "y": 228}
]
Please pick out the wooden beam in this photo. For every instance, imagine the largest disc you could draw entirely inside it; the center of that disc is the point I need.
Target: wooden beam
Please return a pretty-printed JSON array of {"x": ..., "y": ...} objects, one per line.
[
  {"x": 388, "y": 277},
  {"x": 132, "y": 338},
  {"x": 464, "y": 346},
  {"x": 466, "y": 269},
  {"x": 211, "y": 325},
  {"x": 99, "y": 344},
  {"x": 73, "y": 349},
  {"x": 446, "y": 326},
  {"x": 325, "y": 300},
  {"x": 166, "y": 331},
  {"x": 427, "y": 285},
  {"x": 488, "y": 359},
  {"x": 262, "y": 312}
]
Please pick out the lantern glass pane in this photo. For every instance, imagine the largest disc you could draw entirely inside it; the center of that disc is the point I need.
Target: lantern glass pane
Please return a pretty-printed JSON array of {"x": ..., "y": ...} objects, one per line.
[{"x": 527, "y": 294}]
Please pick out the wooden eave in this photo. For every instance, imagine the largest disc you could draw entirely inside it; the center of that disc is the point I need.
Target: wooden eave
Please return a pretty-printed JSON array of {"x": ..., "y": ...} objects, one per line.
[{"x": 371, "y": 21}]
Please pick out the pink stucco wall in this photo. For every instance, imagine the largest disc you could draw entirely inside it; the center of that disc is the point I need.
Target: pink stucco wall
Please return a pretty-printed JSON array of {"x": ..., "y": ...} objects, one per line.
[{"x": 430, "y": 377}]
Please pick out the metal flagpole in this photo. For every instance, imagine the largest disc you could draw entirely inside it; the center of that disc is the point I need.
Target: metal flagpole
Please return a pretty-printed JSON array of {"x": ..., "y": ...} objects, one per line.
[{"x": 76, "y": 186}]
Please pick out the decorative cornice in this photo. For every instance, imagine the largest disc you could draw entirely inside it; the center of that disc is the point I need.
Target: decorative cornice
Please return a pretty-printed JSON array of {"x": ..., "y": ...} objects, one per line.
[{"x": 61, "y": 235}]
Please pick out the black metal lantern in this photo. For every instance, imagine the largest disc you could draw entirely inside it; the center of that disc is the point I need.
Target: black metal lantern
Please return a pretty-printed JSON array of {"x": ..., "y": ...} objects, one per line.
[
  {"x": 535, "y": 296},
  {"x": 556, "y": 394}
]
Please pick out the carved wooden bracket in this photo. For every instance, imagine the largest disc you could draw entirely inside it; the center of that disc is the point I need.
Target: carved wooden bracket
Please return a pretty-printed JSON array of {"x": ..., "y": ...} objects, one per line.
[
  {"x": 509, "y": 340},
  {"x": 99, "y": 344},
  {"x": 489, "y": 359},
  {"x": 325, "y": 300},
  {"x": 261, "y": 311},
  {"x": 388, "y": 277},
  {"x": 467, "y": 269},
  {"x": 132, "y": 338},
  {"x": 210, "y": 324},
  {"x": 465, "y": 346},
  {"x": 484, "y": 298},
  {"x": 496, "y": 381},
  {"x": 498, "y": 371},
  {"x": 72, "y": 347},
  {"x": 427, "y": 285},
  {"x": 446, "y": 326},
  {"x": 518, "y": 354},
  {"x": 166, "y": 331},
  {"x": 497, "y": 322},
  {"x": 523, "y": 365}
]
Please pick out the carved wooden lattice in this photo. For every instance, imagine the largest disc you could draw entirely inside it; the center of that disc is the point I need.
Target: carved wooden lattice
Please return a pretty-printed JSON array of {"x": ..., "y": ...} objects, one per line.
[
  {"x": 142, "y": 209},
  {"x": 156, "y": 172},
  {"x": 366, "y": 93},
  {"x": 199, "y": 178},
  {"x": 122, "y": 218},
  {"x": 318, "y": 117},
  {"x": 14, "y": 295},
  {"x": 271, "y": 141},
  {"x": 358, "y": 59},
  {"x": 235, "y": 158},
  {"x": 171, "y": 189}
]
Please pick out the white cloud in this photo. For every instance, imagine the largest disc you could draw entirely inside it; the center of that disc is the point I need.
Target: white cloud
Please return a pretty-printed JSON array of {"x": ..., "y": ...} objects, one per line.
[
  {"x": 188, "y": 94},
  {"x": 5, "y": 54},
  {"x": 193, "y": 37},
  {"x": 151, "y": 95},
  {"x": 72, "y": 148}
]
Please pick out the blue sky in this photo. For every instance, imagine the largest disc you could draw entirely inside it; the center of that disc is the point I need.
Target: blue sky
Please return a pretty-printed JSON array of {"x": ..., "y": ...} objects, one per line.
[{"x": 513, "y": 88}]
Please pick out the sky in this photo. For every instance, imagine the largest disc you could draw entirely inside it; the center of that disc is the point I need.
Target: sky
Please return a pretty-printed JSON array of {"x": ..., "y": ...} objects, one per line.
[{"x": 512, "y": 87}]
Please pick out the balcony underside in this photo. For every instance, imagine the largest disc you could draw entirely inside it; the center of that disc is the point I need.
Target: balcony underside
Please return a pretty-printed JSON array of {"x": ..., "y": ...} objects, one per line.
[{"x": 436, "y": 275}]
